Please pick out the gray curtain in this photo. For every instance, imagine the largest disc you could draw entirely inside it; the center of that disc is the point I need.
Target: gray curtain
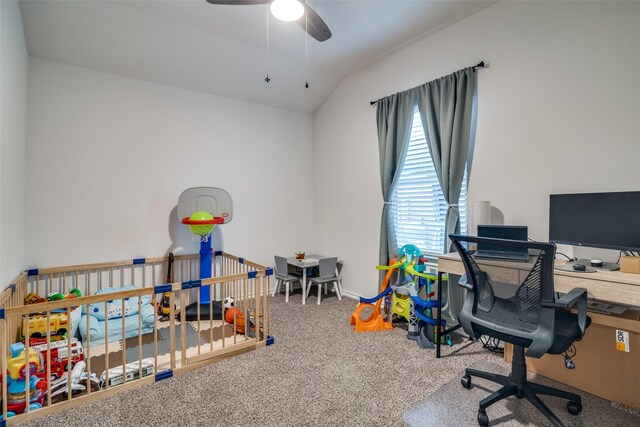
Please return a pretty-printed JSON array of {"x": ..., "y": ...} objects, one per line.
[
  {"x": 446, "y": 108},
  {"x": 394, "y": 115}
]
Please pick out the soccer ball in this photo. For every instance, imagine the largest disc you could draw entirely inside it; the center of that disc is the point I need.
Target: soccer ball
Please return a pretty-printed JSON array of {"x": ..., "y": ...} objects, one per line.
[{"x": 228, "y": 302}]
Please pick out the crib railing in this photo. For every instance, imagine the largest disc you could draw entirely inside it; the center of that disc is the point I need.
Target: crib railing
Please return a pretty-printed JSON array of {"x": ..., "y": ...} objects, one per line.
[
  {"x": 142, "y": 272},
  {"x": 125, "y": 361},
  {"x": 13, "y": 296}
]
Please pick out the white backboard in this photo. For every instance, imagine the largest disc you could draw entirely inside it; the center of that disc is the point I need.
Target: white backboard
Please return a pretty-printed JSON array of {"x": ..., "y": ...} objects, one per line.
[{"x": 214, "y": 200}]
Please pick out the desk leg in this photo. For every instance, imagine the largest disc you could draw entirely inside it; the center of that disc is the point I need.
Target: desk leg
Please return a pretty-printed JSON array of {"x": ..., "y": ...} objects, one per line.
[
  {"x": 450, "y": 329},
  {"x": 304, "y": 286},
  {"x": 439, "y": 308}
]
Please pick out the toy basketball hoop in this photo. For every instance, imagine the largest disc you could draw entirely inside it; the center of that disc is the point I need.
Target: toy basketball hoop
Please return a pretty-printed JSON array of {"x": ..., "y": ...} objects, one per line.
[
  {"x": 206, "y": 207},
  {"x": 200, "y": 225}
]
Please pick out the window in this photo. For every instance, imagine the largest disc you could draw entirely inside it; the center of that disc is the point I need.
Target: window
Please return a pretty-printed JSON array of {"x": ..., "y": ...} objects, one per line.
[{"x": 418, "y": 210}]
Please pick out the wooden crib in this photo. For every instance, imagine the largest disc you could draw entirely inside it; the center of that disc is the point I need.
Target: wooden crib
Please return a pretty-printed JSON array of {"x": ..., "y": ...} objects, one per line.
[{"x": 140, "y": 349}]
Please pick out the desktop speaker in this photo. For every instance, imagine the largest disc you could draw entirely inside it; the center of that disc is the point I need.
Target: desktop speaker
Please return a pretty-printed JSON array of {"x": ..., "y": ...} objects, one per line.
[{"x": 630, "y": 264}]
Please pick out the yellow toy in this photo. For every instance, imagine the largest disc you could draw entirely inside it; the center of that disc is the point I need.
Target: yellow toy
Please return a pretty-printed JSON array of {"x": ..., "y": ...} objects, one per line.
[
  {"x": 401, "y": 306},
  {"x": 17, "y": 369},
  {"x": 16, "y": 364},
  {"x": 58, "y": 325}
]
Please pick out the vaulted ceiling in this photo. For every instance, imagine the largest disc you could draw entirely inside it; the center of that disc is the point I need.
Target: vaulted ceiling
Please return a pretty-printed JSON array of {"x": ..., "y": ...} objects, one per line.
[{"x": 222, "y": 50}]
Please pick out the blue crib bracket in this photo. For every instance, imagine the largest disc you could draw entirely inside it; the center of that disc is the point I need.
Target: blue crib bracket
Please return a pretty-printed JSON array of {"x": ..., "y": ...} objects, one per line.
[
  {"x": 252, "y": 274},
  {"x": 271, "y": 340},
  {"x": 268, "y": 271},
  {"x": 32, "y": 272},
  {"x": 161, "y": 289},
  {"x": 191, "y": 284},
  {"x": 218, "y": 253},
  {"x": 137, "y": 261},
  {"x": 164, "y": 375},
  {"x": 13, "y": 288},
  {"x": 3, "y": 423},
  {"x": 1, "y": 313},
  {"x": 241, "y": 260}
]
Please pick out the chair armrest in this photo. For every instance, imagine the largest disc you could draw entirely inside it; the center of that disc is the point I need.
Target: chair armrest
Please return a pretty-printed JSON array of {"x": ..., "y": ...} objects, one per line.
[
  {"x": 577, "y": 296},
  {"x": 463, "y": 283}
]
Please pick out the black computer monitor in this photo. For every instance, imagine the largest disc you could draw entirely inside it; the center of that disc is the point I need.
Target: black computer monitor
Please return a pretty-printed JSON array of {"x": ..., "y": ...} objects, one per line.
[{"x": 598, "y": 220}]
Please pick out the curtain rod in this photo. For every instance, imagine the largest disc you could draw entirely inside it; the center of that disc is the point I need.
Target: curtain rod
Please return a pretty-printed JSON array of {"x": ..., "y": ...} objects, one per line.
[{"x": 481, "y": 64}]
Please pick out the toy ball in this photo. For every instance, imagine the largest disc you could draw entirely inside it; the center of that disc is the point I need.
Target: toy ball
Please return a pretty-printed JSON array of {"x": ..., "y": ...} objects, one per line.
[
  {"x": 231, "y": 314},
  {"x": 228, "y": 302},
  {"x": 203, "y": 229}
]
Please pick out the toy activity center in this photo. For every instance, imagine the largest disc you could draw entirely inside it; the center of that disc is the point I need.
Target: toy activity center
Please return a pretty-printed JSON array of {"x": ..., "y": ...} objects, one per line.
[{"x": 309, "y": 212}]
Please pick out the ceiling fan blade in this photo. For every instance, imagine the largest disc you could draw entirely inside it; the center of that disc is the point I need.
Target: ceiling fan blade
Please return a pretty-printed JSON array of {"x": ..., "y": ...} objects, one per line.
[
  {"x": 238, "y": 2},
  {"x": 314, "y": 25}
]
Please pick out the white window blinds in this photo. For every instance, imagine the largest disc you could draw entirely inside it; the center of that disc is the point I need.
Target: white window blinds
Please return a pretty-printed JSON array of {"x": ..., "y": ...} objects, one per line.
[{"x": 418, "y": 210}]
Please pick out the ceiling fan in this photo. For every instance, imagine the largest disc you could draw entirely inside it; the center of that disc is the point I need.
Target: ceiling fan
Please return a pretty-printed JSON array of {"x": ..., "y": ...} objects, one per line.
[{"x": 289, "y": 10}]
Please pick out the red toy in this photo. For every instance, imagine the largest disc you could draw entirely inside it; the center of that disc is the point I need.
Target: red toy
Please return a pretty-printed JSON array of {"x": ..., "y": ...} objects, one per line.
[{"x": 231, "y": 314}]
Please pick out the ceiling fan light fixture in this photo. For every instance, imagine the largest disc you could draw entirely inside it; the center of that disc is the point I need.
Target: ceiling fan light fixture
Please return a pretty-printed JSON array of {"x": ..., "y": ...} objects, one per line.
[{"x": 287, "y": 10}]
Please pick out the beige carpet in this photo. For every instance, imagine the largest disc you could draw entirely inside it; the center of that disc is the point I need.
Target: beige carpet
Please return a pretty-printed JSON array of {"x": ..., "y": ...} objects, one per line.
[{"x": 318, "y": 373}]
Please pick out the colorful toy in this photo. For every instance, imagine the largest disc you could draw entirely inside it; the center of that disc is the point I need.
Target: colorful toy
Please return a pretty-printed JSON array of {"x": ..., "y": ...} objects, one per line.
[
  {"x": 228, "y": 302},
  {"x": 199, "y": 223},
  {"x": 130, "y": 370},
  {"x": 33, "y": 298},
  {"x": 17, "y": 368},
  {"x": 402, "y": 299},
  {"x": 164, "y": 308},
  {"x": 56, "y": 296},
  {"x": 217, "y": 203},
  {"x": 235, "y": 317},
  {"x": 231, "y": 314},
  {"x": 423, "y": 307},
  {"x": 59, "y": 351},
  {"x": 374, "y": 321},
  {"x": 77, "y": 374},
  {"x": 58, "y": 325},
  {"x": 401, "y": 306}
]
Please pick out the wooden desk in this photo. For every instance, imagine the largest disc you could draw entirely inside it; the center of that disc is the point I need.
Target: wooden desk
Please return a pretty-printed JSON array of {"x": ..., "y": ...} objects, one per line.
[{"x": 613, "y": 286}]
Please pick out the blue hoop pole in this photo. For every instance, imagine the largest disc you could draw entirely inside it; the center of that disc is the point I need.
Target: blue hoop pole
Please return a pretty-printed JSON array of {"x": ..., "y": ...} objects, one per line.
[{"x": 205, "y": 269}]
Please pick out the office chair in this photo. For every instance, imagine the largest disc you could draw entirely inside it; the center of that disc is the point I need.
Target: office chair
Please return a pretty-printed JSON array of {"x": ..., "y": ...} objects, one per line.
[
  {"x": 283, "y": 276},
  {"x": 531, "y": 319},
  {"x": 327, "y": 274}
]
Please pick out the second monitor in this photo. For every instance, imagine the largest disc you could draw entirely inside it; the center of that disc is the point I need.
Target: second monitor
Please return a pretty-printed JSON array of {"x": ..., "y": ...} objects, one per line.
[{"x": 510, "y": 232}]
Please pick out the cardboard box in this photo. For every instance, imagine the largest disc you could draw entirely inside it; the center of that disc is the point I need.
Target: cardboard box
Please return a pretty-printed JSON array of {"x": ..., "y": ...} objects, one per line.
[
  {"x": 603, "y": 366},
  {"x": 630, "y": 264}
]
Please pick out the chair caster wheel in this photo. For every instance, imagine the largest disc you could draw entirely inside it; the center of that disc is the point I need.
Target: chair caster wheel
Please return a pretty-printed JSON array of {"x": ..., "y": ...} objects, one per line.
[
  {"x": 466, "y": 381},
  {"x": 483, "y": 420},
  {"x": 574, "y": 408}
]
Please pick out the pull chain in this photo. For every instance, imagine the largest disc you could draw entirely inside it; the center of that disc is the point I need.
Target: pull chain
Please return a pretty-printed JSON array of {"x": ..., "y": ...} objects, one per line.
[
  {"x": 267, "y": 79},
  {"x": 306, "y": 49}
]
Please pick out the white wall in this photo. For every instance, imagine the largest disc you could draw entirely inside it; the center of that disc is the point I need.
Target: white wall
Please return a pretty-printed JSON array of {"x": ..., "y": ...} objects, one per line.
[
  {"x": 108, "y": 157},
  {"x": 558, "y": 112},
  {"x": 13, "y": 116}
]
